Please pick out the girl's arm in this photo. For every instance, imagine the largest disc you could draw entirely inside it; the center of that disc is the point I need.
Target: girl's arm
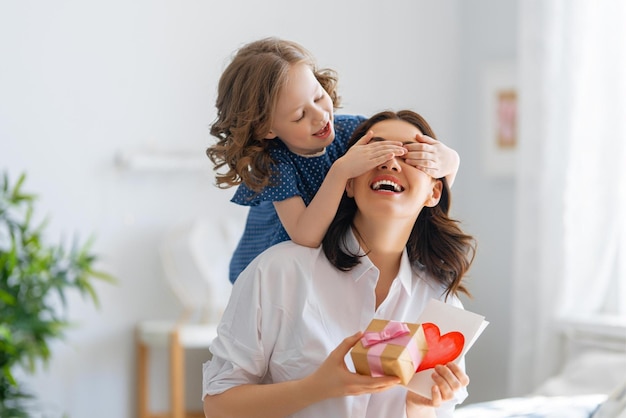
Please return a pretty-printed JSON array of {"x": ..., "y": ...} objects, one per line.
[
  {"x": 331, "y": 379},
  {"x": 434, "y": 158},
  {"x": 306, "y": 225}
]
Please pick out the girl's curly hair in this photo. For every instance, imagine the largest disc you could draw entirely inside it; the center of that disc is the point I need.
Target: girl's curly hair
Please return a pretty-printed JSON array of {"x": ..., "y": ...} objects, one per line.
[{"x": 246, "y": 98}]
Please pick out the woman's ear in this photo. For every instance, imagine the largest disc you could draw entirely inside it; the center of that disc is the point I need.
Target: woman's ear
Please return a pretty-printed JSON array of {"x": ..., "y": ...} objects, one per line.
[
  {"x": 350, "y": 188},
  {"x": 270, "y": 135},
  {"x": 435, "y": 194}
]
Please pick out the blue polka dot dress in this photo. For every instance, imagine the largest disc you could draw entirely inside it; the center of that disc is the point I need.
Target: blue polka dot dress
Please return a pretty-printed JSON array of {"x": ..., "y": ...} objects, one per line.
[{"x": 295, "y": 176}]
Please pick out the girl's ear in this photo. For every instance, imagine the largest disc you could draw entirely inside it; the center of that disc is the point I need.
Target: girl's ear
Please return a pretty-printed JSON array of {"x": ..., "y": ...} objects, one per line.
[
  {"x": 270, "y": 135},
  {"x": 435, "y": 194},
  {"x": 350, "y": 188}
]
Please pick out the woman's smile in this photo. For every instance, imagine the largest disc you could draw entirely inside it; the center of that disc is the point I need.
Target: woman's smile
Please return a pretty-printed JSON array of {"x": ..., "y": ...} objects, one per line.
[{"x": 386, "y": 184}]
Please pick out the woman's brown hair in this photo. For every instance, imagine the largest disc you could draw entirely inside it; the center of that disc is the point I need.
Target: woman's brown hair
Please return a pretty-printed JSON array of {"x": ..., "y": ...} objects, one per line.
[
  {"x": 246, "y": 98},
  {"x": 436, "y": 243}
]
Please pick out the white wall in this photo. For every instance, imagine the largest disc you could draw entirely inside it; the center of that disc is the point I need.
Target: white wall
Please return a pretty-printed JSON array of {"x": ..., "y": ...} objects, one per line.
[
  {"x": 81, "y": 81},
  {"x": 488, "y": 31}
]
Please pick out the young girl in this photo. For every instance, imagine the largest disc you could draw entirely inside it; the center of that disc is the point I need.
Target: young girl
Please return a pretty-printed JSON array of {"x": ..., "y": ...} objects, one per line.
[
  {"x": 282, "y": 341},
  {"x": 281, "y": 143}
]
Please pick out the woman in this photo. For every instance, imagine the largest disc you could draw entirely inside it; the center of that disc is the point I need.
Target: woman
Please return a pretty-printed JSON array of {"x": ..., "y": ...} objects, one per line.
[{"x": 390, "y": 248}]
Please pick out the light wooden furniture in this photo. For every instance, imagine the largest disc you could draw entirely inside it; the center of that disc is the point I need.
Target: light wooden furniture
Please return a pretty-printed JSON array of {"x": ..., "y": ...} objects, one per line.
[
  {"x": 177, "y": 337},
  {"x": 195, "y": 258}
]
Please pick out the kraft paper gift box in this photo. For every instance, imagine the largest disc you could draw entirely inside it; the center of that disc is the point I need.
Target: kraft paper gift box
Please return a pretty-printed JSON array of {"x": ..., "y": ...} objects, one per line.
[{"x": 390, "y": 348}]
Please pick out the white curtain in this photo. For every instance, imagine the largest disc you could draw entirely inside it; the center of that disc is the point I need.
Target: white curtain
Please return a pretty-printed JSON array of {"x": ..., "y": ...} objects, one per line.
[{"x": 570, "y": 243}]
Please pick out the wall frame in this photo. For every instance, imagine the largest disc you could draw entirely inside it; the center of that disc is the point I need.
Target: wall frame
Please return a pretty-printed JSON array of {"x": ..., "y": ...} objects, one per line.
[{"x": 500, "y": 130}]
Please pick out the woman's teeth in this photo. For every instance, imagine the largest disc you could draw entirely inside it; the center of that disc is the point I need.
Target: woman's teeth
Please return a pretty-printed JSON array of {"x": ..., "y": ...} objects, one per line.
[{"x": 387, "y": 185}]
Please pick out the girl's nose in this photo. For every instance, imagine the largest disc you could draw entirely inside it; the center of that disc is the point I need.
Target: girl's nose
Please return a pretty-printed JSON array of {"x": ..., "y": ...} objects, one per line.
[{"x": 320, "y": 117}]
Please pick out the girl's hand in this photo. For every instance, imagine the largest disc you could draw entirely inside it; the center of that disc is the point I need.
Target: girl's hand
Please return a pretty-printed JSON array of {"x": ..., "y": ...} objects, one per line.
[
  {"x": 333, "y": 379},
  {"x": 448, "y": 379},
  {"x": 364, "y": 156},
  {"x": 432, "y": 157}
]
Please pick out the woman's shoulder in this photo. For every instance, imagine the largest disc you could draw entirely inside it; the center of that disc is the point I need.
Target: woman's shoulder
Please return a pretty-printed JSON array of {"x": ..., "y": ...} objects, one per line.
[
  {"x": 283, "y": 265},
  {"x": 288, "y": 252},
  {"x": 286, "y": 255}
]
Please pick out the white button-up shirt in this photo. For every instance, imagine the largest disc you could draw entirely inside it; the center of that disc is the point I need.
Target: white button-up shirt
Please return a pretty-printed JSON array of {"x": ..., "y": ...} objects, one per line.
[{"x": 290, "y": 308}]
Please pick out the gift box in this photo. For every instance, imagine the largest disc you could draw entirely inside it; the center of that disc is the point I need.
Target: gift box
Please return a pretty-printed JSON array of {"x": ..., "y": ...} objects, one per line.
[{"x": 390, "y": 348}]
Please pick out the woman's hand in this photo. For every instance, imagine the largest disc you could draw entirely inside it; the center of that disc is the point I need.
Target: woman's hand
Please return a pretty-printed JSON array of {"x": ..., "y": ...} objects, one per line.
[
  {"x": 448, "y": 379},
  {"x": 333, "y": 379}
]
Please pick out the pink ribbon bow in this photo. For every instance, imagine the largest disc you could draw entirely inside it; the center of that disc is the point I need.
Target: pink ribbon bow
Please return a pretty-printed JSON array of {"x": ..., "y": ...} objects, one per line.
[{"x": 392, "y": 330}]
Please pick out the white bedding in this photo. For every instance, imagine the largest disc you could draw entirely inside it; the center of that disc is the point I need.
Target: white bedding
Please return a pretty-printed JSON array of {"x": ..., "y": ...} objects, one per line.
[
  {"x": 577, "y": 406},
  {"x": 592, "y": 385}
]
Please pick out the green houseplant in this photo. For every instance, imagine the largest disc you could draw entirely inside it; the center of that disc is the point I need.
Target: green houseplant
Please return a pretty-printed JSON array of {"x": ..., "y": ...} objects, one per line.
[{"x": 34, "y": 277}]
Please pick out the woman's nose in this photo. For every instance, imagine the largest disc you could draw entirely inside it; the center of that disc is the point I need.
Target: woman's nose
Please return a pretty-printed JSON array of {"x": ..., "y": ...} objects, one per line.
[{"x": 392, "y": 165}]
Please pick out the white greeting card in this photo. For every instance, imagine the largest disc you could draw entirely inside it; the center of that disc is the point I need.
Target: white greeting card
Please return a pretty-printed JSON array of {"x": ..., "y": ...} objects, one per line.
[{"x": 450, "y": 333}]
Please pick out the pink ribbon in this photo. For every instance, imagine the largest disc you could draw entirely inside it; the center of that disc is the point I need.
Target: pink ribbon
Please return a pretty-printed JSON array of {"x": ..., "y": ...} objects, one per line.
[{"x": 392, "y": 330}]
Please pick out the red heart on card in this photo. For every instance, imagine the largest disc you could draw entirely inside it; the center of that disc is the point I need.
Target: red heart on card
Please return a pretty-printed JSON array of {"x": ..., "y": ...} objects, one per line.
[{"x": 442, "y": 349}]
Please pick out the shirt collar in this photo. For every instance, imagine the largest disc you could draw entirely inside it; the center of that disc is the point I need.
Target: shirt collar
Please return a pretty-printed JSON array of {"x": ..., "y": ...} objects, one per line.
[
  {"x": 280, "y": 143},
  {"x": 405, "y": 273}
]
